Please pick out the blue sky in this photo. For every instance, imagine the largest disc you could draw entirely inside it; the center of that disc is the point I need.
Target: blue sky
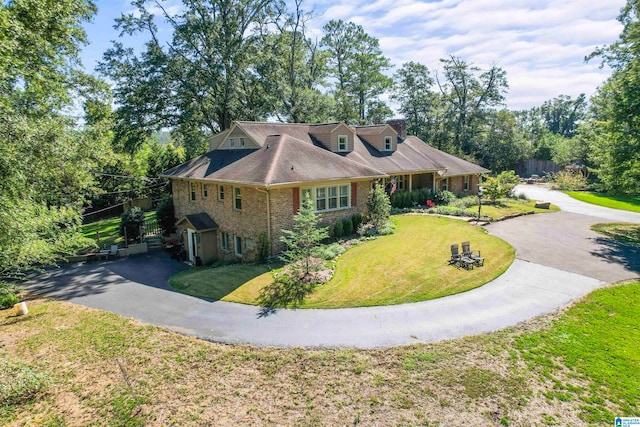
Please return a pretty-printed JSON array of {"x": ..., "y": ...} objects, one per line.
[{"x": 540, "y": 43}]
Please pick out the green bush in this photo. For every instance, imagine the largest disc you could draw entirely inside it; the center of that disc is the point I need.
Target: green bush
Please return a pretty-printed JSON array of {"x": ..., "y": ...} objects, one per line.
[
  {"x": 443, "y": 197},
  {"x": 8, "y": 295},
  {"x": 264, "y": 248},
  {"x": 165, "y": 215},
  {"x": 356, "y": 220},
  {"x": 451, "y": 210},
  {"x": 388, "y": 228},
  {"x": 338, "y": 229},
  {"x": 328, "y": 252},
  {"x": 131, "y": 220},
  {"x": 347, "y": 227},
  {"x": 569, "y": 181},
  {"x": 465, "y": 202}
]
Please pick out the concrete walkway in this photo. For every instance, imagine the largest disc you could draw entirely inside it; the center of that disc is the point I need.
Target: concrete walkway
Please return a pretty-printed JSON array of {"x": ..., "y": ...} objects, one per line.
[{"x": 137, "y": 287}]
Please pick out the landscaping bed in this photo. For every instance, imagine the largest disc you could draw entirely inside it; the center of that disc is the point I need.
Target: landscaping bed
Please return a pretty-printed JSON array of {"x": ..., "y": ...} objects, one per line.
[{"x": 408, "y": 266}]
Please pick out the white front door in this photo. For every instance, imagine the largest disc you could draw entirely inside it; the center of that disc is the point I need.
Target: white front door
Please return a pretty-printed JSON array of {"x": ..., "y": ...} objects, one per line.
[{"x": 191, "y": 241}]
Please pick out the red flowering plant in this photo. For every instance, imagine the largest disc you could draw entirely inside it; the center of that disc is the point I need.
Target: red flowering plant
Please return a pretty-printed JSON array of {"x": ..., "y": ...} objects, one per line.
[{"x": 430, "y": 203}]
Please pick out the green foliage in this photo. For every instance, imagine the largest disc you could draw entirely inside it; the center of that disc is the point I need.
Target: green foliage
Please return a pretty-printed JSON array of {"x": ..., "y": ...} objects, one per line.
[
  {"x": 347, "y": 226},
  {"x": 388, "y": 228},
  {"x": 499, "y": 186},
  {"x": 378, "y": 206},
  {"x": 569, "y": 180},
  {"x": 8, "y": 295},
  {"x": 131, "y": 220},
  {"x": 264, "y": 248},
  {"x": 443, "y": 197},
  {"x": 500, "y": 143},
  {"x": 300, "y": 241},
  {"x": 328, "y": 252},
  {"x": 165, "y": 215},
  {"x": 356, "y": 220},
  {"x": 338, "y": 229}
]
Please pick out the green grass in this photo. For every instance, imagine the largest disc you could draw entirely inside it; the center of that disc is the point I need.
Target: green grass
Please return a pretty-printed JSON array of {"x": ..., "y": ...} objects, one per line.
[
  {"x": 109, "y": 230},
  {"x": 627, "y": 203},
  {"x": 623, "y": 232},
  {"x": 598, "y": 342},
  {"x": 505, "y": 207},
  {"x": 81, "y": 366},
  {"x": 407, "y": 266},
  {"x": 216, "y": 283}
]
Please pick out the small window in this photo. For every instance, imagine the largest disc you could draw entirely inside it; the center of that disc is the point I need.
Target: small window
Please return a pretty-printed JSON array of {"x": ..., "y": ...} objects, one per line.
[
  {"x": 344, "y": 196},
  {"x": 237, "y": 198},
  {"x": 232, "y": 142},
  {"x": 220, "y": 193},
  {"x": 238, "y": 245},
  {"x": 192, "y": 191},
  {"x": 445, "y": 184},
  {"x": 333, "y": 197},
  {"x": 342, "y": 143},
  {"x": 224, "y": 241},
  {"x": 466, "y": 182},
  {"x": 205, "y": 191},
  {"x": 321, "y": 199},
  {"x": 387, "y": 143},
  {"x": 241, "y": 142}
]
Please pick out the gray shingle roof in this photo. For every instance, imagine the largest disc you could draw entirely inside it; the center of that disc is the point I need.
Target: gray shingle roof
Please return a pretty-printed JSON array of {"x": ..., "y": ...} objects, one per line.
[{"x": 201, "y": 221}]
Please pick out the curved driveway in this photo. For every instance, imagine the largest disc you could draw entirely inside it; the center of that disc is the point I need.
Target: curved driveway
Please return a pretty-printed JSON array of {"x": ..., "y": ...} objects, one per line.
[{"x": 137, "y": 287}]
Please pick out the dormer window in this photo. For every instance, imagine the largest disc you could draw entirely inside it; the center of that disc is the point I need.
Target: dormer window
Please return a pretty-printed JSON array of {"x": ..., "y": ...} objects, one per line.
[
  {"x": 342, "y": 142},
  {"x": 388, "y": 146},
  {"x": 232, "y": 142}
]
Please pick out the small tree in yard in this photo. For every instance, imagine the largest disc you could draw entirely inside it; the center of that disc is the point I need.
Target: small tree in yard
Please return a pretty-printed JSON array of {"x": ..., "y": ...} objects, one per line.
[
  {"x": 378, "y": 206},
  {"x": 300, "y": 241},
  {"x": 165, "y": 215},
  {"x": 131, "y": 220},
  {"x": 499, "y": 186}
]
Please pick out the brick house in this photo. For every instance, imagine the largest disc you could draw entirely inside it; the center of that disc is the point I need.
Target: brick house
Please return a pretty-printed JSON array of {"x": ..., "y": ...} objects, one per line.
[{"x": 255, "y": 174}]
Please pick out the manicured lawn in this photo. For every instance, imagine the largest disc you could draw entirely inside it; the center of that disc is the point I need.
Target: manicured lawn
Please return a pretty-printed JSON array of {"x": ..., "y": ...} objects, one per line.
[
  {"x": 627, "y": 203},
  {"x": 507, "y": 207},
  {"x": 623, "y": 232},
  {"x": 408, "y": 266},
  {"x": 215, "y": 283},
  {"x": 109, "y": 230},
  {"x": 64, "y": 364}
]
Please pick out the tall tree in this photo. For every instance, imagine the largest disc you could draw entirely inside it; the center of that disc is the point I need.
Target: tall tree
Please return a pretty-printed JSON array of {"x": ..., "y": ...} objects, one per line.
[
  {"x": 500, "y": 144},
  {"x": 201, "y": 79},
  {"x": 357, "y": 64},
  {"x": 616, "y": 108},
  {"x": 562, "y": 115},
  {"x": 469, "y": 93},
  {"x": 46, "y": 160}
]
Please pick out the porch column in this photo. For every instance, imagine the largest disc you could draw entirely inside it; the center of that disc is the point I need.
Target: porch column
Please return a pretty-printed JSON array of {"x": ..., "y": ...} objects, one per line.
[
  {"x": 410, "y": 182},
  {"x": 433, "y": 183}
]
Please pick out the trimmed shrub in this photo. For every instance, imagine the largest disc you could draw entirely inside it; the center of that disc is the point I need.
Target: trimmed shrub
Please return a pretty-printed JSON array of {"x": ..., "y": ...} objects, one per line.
[
  {"x": 165, "y": 215},
  {"x": 347, "y": 227},
  {"x": 443, "y": 197},
  {"x": 356, "y": 220},
  {"x": 338, "y": 229}
]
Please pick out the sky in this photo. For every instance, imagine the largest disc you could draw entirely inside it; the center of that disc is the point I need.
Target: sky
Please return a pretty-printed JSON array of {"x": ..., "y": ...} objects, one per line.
[{"x": 541, "y": 44}]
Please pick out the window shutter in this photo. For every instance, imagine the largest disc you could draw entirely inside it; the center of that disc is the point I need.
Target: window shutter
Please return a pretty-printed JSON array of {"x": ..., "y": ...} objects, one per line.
[
  {"x": 354, "y": 194},
  {"x": 296, "y": 200}
]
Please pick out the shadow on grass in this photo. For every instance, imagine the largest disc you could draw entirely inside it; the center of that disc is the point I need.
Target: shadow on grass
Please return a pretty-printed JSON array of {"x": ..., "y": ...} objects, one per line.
[{"x": 284, "y": 292}]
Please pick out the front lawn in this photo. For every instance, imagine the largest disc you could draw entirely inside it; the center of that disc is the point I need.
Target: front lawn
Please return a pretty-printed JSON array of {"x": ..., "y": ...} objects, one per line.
[
  {"x": 64, "y": 364},
  {"x": 627, "y": 203},
  {"x": 216, "y": 283},
  {"x": 407, "y": 266},
  {"x": 109, "y": 230},
  {"x": 507, "y": 207}
]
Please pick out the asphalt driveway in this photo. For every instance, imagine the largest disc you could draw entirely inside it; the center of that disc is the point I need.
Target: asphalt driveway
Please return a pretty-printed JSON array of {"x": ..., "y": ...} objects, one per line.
[{"x": 543, "y": 278}]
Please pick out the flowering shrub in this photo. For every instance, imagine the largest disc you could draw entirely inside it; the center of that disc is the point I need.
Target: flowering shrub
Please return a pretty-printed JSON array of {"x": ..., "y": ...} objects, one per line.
[{"x": 430, "y": 203}]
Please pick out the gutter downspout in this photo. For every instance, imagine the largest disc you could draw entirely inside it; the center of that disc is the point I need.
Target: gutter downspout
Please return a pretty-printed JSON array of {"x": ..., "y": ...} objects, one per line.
[{"x": 268, "y": 193}]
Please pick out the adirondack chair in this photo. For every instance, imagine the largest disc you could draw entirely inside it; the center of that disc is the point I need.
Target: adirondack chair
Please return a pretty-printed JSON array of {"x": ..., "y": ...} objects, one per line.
[
  {"x": 474, "y": 255},
  {"x": 460, "y": 260}
]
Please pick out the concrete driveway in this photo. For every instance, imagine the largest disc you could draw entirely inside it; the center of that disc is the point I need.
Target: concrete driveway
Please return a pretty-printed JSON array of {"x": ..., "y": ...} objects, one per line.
[{"x": 137, "y": 287}]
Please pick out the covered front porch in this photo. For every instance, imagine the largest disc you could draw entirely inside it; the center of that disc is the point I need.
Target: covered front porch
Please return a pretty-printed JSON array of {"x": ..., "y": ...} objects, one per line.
[{"x": 412, "y": 181}]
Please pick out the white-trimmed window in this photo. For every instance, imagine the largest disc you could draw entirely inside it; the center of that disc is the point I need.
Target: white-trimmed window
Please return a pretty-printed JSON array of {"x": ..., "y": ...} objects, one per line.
[
  {"x": 237, "y": 198},
  {"x": 241, "y": 142},
  {"x": 237, "y": 246},
  {"x": 466, "y": 182},
  {"x": 220, "y": 193},
  {"x": 401, "y": 182},
  {"x": 224, "y": 241},
  {"x": 328, "y": 198},
  {"x": 232, "y": 142},
  {"x": 205, "y": 191},
  {"x": 445, "y": 184},
  {"x": 192, "y": 191},
  {"x": 342, "y": 142},
  {"x": 388, "y": 144}
]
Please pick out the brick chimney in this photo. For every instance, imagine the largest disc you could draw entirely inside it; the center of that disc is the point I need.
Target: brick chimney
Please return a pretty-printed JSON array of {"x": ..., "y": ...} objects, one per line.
[{"x": 400, "y": 125}]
